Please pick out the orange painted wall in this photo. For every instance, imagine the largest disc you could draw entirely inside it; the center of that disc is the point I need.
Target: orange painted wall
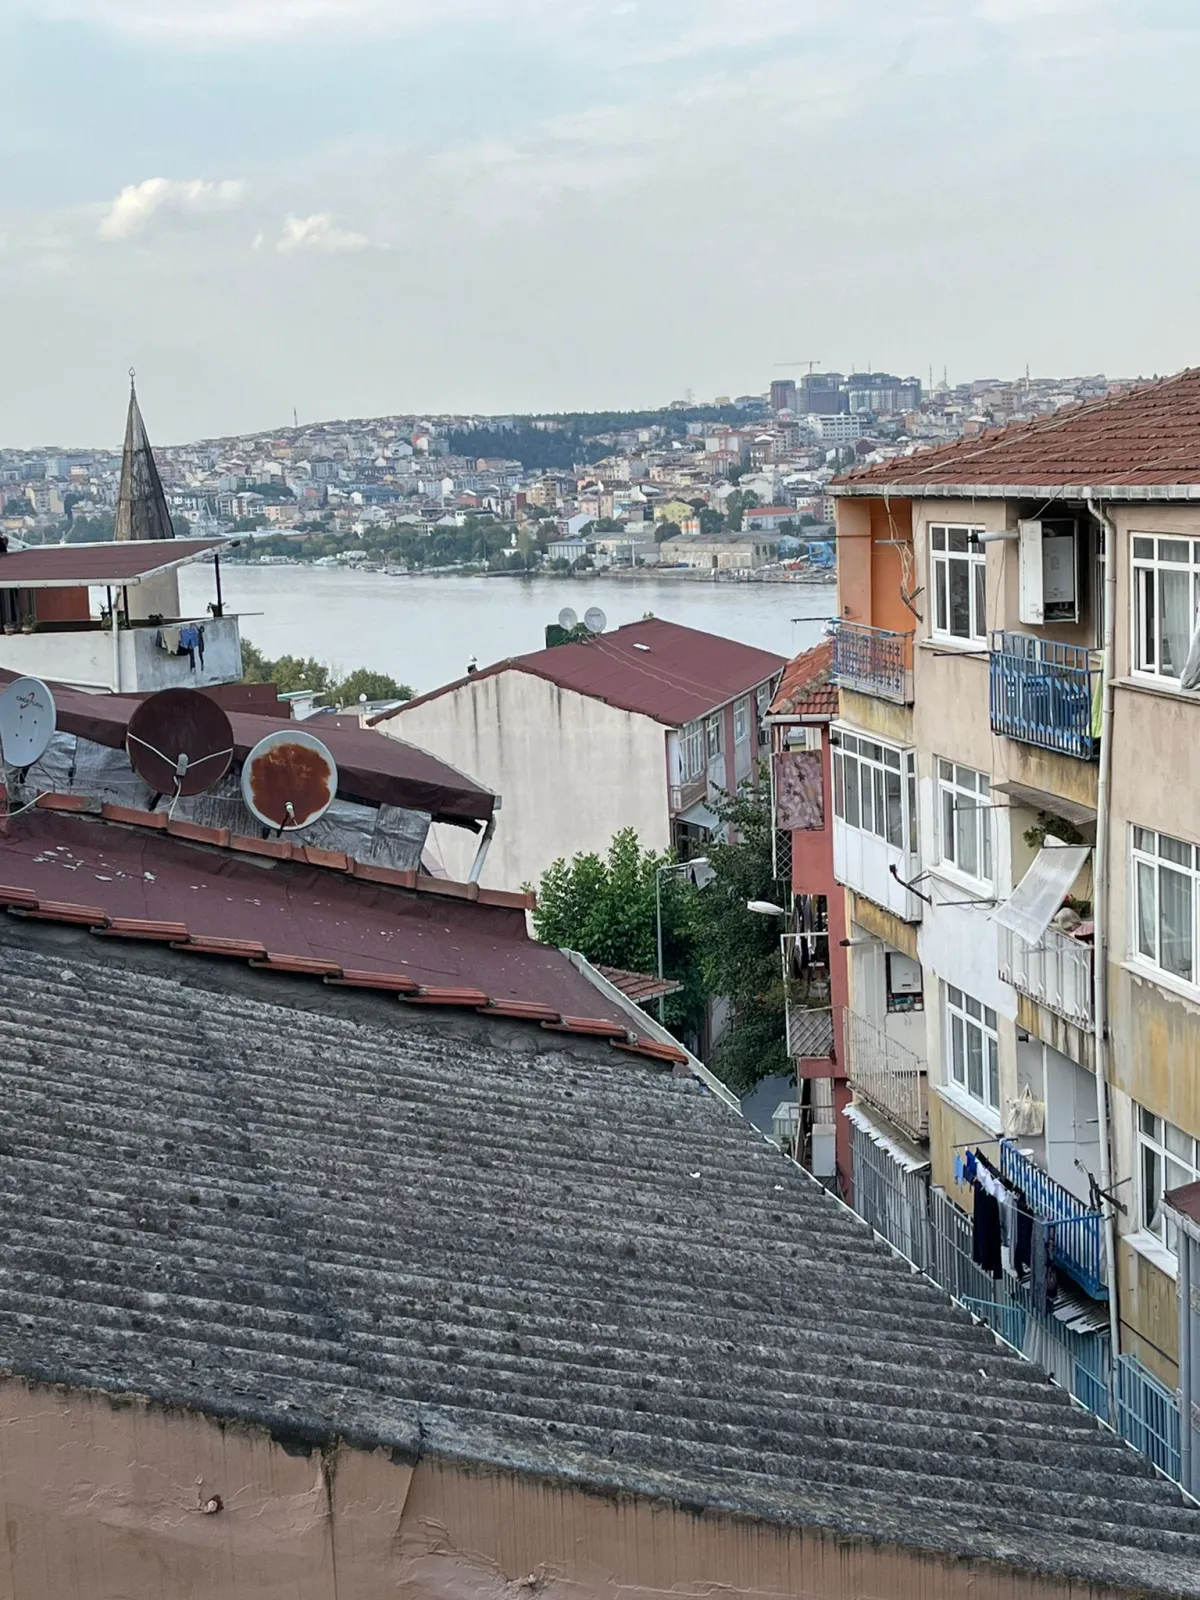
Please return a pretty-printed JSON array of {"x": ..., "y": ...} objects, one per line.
[{"x": 869, "y": 567}]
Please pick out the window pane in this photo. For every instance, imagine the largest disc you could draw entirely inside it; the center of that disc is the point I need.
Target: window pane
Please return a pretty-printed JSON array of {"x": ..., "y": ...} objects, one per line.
[
  {"x": 1173, "y": 549},
  {"x": 1143, "y": 839},
  {"x": 967, "y": 835},
  {"x": 852, "y": 816},
  {"x": 948, "y": 841},
  {"x": 1174, "y": 850},
  {"x": 939, "y": 538},
  {"x": 1148, "y": 1122},
  {"x": 1175, "y": 922},
  {"x": 1178, "y": 1143},
  {"x": 892, "y": 759},
  {"x": 941, "y": 604},
  {"x": 993, "y": 1076},
  {"x": 955, "y": 995},
  {"x": 839, "y": 787},
  {"x": 956, "y": 538},
  {"x": 895, "y": 812},
  {"x": 877, "y": 788},
  {"x": 1144, "y": 549},
  {"x": 1147, "y": 912},
  {"x": 985, "y": 839},
  {"x": 958, "y": 1052},
  {"x": 960, "y": 599},
  {"x": 1151, "y": 1190},
  {"x": 989, "y": 1016},
  {"x": 1146, "y": 654},
  {"x": 1175, "y": 596},
  {"x": 972, "y": 1007},
  {"x": 980, "y": 627},
  {"x": 965, "y": 778},
  {"x": 975, "y": 1063},
  {"x": 946, "y": 771},
  {"x": 872, "y": 751},
  {"x": 912, "y": 806},
  {"x": 868, "y": 805}
]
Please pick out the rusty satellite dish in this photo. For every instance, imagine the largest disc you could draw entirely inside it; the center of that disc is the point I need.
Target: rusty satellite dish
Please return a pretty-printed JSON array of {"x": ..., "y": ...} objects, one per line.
[
  {"x": 289, "y": 780},
  {"x": 179, "y": 742},
  {"x": 27, "y": 722}
]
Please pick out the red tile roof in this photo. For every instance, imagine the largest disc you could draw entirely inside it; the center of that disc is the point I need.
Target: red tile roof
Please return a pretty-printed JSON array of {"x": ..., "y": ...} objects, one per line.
[
  {"x": 640, "y": 987},
  {"x": 659, "y": 669},
  {"x": 438, "y": 944},
  {"x": 125, "y": 562},
  {"x": 807, "y": 688},
  {"x": 1145, "y": 439}
]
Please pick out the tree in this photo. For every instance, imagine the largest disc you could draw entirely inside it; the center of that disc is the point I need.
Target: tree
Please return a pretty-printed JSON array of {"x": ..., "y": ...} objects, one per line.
[
  {"x": 712, "y": 523},
  {"x": 605, "y": 909},
  {"x": 292, "y": 673},
  {"x": 666, "y": 530},
  {"x": 375, "y": 685}
]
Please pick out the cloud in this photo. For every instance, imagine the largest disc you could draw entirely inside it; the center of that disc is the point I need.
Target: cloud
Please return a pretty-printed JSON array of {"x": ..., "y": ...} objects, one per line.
[
  {"x": 129, "y": 214},
  {"x": 319, "y": 232},
  {"x": 233, "y": 22}
]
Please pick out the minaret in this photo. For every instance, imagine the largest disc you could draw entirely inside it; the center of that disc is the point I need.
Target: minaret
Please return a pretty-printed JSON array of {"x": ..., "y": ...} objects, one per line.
[{"x": 142, "y": 514}]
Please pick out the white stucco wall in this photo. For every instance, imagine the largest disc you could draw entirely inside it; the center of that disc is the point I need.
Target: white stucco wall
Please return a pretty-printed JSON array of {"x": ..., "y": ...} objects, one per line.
[
  {"x": 571, "y": 771},
  {"x": 86, "y": 657}
]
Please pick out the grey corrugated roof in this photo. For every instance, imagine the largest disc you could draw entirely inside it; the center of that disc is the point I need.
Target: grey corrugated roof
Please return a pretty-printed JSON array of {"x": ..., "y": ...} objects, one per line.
[{"x": 569, "y": 1264}]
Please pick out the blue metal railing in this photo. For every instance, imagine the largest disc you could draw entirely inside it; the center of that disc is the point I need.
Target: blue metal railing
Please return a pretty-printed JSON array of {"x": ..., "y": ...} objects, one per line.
[
  {"x": 1148, "y": 1415},
  {"x": 1078, "y": 1238},
  {"x": 873, "y": 661},
  {"x": 1044, "y": 693}
]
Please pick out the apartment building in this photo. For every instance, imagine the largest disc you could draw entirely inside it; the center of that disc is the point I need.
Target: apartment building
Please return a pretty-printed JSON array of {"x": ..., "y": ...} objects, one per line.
[{"x": 1015, "y": 768}]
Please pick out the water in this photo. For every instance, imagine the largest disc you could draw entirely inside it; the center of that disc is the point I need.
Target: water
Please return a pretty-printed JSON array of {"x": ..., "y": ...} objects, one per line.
[{"x": 423, "y": 630}]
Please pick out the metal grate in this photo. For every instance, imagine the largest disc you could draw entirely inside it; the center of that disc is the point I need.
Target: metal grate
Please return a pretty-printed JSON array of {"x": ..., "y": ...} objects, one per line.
[
  {"x": 873, "y": 661},
  {"x": 810, "y": 1031},
  {"x": 888, "y": 1074},
  {"x": 1148, "y": 1415},
  {"x": 1043, "y": 693}
]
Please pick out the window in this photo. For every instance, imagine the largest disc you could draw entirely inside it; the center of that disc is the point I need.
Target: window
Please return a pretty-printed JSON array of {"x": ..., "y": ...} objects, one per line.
[
  {"x": 868, "y": 791},
  {"x": 1164, "y": 903},
  {"x": 972, "y": 1047},
  {"x": 1166, "y": 594},
  {"x": 741, "y": 721},
  {"x": 762, "y": 699},
  {"x": 1167, "y": 1159},
  {"x": 959, "y": 578},
  {"x": 691, "y": 745},
  {"x": 965, "y": 820},
  {"x": 712, "y": 735}
]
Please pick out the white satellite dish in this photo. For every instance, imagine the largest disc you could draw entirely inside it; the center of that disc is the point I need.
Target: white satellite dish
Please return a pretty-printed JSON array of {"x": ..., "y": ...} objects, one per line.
[
  {"x": 567, "y": 619},
  {"x": 594, "y": 620},
  {"x": 289, "y": 780},
  {"x": 28, "y": 719}
]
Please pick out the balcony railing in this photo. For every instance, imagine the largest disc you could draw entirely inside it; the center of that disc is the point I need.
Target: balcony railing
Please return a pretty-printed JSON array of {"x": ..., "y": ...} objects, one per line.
[
  {"x": 888, "y": 1074},
  {"x": 1057, "y": 972},
  {"x": 1077, "y": 1242},
  {"x": 1043, "y": 693},
  {"x": 873, "y": 661},
  {"x": 810, "y": 1031}
]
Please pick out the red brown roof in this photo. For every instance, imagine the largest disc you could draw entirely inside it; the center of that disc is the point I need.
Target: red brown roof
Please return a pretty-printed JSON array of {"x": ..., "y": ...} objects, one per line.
[
  {"x": 640, "y": 987},
  {"x": 656, "y": 668},
  {"x": 124, "y": 562},
  {"x": 1144, "y": 440},
  {"x": 807, "y": 688},
  {"x": 449, "y": 945}
]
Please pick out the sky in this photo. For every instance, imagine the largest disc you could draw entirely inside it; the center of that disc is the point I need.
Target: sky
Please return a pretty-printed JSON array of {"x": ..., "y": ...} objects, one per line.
[{"x": 357, "y": 207}]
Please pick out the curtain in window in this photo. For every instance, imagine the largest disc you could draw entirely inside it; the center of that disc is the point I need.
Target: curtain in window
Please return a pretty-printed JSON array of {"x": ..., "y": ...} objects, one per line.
[
  {"x": 960, "y": 598},
  {"x": 966, "y": 834},
  {"x": 1175, "y": 593},
  {"x": 1175, "y": 922},
  {"x": 1147, "y": 910}
]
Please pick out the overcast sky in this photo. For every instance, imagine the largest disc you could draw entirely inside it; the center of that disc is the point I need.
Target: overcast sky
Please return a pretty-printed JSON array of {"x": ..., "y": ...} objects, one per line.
[{"x": 359, "y": 206}]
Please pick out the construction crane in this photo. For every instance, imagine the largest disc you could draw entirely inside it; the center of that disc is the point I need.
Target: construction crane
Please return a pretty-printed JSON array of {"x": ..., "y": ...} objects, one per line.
[{"x": 793, "y": 364}]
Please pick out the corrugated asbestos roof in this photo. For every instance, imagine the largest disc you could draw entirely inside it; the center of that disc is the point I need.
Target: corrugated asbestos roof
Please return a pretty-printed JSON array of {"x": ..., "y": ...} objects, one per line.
[
  {"x": 807, "y": 688},
  {"x": 657, "y": 668},
  {"x": 126, "y": 562},
  {"x": 1146, "y": 438},
  {"x": 288, "y": 908},
  {"x": 574, "y": 1266}
]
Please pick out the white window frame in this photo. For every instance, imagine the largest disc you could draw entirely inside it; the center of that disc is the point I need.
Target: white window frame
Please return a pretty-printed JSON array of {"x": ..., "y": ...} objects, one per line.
[
  {"x": 870, "y": 779},
  {"x": 1167, "y": 1159},
  {"x": 1156, "y": 861},
  {"x": 713, "y": 740},
  {"x": 741, "y": 720},
  {"x": 691, "y": 752},
  {"x": 1148, "y": 570},
  {"x": 942, "y": 561},
  {"x": 967, "y": 1020},
  {"x": 964, "y": 806}
]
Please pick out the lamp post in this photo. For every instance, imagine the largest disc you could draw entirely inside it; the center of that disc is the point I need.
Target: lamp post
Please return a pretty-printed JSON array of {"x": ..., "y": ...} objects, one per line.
[{"x": 701, "y": 863}]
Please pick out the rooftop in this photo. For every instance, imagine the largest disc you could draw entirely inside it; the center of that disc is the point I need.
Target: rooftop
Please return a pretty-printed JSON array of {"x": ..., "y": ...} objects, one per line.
[
  {"x": 1139, "y": 442},
  {"x": 113, "y": 564},
  {"x": 807, "y": 688},
  {"x": 312, "y": 1217},
  {"x": 656, "y": 668}
]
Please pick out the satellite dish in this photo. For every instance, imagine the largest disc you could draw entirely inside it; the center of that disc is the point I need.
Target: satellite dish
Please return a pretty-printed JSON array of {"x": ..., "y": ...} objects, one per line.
[
  {"x": 289, "y": 780},
  {"x": 27, "y": 722},
  {"x": 594, "y": 620},
  {"x": 179, "y": 743},
  {"x": 567, "y": 619}
]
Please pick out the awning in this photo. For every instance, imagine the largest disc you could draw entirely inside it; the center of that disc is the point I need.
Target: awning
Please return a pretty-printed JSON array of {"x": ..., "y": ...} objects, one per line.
[
  {"x": 112, "y": 563},
  {"x": 1044, "y": 800},
  {"x": 1030, "y": 907},
  {"x": 905, "y": 1157}
]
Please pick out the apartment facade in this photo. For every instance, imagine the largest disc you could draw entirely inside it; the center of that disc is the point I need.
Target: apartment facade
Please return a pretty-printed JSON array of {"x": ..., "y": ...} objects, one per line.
[{"x": 1018, "y": 834}]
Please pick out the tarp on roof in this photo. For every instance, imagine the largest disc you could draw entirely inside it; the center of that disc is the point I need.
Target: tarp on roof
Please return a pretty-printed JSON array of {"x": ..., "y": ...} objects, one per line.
[{"x": 1030, "y": 907}]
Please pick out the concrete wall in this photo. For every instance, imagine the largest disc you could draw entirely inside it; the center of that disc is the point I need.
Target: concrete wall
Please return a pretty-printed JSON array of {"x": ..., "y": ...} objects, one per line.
[
  {"x": 103, "y": 1499},
  {"x": 85, "y": 657},
  {"x": 571, "y": 771}
]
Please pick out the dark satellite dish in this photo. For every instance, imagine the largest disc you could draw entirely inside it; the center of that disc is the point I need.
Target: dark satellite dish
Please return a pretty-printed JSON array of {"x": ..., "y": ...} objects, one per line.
[
  {"x": 27, "y": 722},
  {"x": 179, "y": 742},
  {"x": 289, "y": 780}
]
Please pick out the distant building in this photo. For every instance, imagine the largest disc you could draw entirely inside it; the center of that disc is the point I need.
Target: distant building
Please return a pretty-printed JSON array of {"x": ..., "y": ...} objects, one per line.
[
  {"x": 783, "y": 394},
  {"x": 731, "y": 552}
]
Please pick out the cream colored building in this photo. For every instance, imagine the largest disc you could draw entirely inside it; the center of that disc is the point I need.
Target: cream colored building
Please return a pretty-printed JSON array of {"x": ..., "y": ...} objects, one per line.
[{"x": 976, "y": 720}]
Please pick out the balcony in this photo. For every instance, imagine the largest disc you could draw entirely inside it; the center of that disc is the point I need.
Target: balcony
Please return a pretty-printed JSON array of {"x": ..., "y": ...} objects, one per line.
[
  {"x": 809, "y": 1032},
  {"x": 1043, "y": 693},
  {"x": 135, "y": 662},
  {"x": 1078, "y": 1235},
  {"x": 1057, "y": 972},
  {"x": 887, "y": 1074},
  {"x": 873, "y": 661}
]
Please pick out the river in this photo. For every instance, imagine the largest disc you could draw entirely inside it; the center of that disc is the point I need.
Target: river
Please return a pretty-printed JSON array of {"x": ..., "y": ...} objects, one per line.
[{"x": 423, "y": 630}]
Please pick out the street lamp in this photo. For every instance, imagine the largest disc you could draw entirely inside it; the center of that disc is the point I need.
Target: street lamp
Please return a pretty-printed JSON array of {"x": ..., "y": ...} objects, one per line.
[
  {"x": 765, "y": 908},
  {"x": 701, "y": 873}
]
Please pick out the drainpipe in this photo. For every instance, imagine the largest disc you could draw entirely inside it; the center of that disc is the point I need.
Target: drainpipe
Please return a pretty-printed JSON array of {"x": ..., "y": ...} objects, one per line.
[{"x": 1100, "y": 942}]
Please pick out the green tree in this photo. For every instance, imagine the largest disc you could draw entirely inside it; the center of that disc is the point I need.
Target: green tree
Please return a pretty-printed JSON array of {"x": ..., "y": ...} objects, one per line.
[
  {"x": 375, "y": 685},
  {"x": 666, "y": 530},
  {"x": 712, "y": 523},
  {"x": 604, "y": 907}
]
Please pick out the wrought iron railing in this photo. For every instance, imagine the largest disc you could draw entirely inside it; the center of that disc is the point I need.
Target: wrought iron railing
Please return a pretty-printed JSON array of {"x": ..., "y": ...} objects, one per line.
[
  {"x": 873, "y": 661},
  {"x": 1043, "y": 693},
  {"x": 888, "y": 1074},
  {"x": 809, "y": 1031},
  {"x": 1077, "y": 1243},
  {"x": 1148, "y": 1415},
  {"x": 1057, "y": 972}
]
